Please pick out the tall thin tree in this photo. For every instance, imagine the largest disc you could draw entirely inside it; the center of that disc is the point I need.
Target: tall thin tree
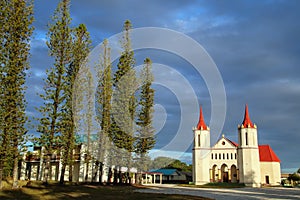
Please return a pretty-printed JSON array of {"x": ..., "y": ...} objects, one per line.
[
  {"x": 80, "y": 50},
  {"x": 145, "y": 139},
  {"x": 60, "y": 48},
  {"x": 124, "y": 101},
  {"x": 104, "y": 95},
  {"x": 15, "y": 32}
]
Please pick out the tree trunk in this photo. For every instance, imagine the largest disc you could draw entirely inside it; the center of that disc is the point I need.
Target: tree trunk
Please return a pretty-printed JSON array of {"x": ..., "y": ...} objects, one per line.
[
  {"x": 115, "y": 181},
  {"x": 62, "y": 175},
  {"x": 71, "y": 172},
  {"x": 100, "y": 173},
  {"x": 109, "y": 175},
  {"x": 15, "y": 172},
  {"x": 120, "y": 175},
  {"x": 1, "y": 173},
  {"x": 96, "y": 171},
  {"x": 86, "y": 171},
  {"x": 46, "y": 170}
]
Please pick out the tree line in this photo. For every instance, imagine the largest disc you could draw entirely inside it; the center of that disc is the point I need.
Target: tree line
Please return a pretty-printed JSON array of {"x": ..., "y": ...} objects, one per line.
[{"x": 123, "y": 100}]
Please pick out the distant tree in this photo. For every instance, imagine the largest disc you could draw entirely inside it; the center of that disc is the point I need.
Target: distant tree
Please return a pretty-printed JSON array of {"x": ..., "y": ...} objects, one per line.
[
  {"x": 298, "y": 171},
  {"x": 161, "y": 162},
  {"x": 124, "y": 101},
  {"x": 145, "y": 140},
  {"x": 60, "y": 47},
  {"x": 294, "y": 178},
  {"x": 15, "y": 31},
  {"x": 177, "y": 164}
]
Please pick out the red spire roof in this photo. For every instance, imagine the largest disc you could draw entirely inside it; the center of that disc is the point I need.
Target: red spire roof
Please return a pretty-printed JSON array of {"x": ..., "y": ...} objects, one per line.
[
  {"x": 201, "y": 124},
  {"x": 247, "y": 121},
  {"x": 266, "y": 154}
]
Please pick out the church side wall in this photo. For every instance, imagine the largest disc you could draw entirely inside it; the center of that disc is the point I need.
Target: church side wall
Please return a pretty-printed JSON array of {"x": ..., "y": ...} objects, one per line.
[{"x": 272, "y": 170}]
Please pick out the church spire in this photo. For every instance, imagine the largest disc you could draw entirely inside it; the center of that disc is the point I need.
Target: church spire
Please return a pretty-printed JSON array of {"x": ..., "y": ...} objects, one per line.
[
  {"x": 201, "y": 124},
  {"x": 247, "y": 121}
]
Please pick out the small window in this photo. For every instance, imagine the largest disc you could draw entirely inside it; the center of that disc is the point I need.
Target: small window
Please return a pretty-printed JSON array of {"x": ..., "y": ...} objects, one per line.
[
  {"x": 219, "y": 156},
  {"x": 212, "y": 156},
  {"x": 246, "y": 138},
  {"x": 199, "y": 141},
  {"x": 216, "y": 156},
  {"x": 235, "y": 156},
  {"x": 223, "y": 156},
  {"x": 227, "y": 156},
  {"x": 223, "y": 143},
  {"x": 231, "y": 156}
]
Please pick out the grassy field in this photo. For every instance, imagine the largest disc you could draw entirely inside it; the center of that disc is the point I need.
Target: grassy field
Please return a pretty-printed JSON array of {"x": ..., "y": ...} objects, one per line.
[{"x": 55, "y": 191}]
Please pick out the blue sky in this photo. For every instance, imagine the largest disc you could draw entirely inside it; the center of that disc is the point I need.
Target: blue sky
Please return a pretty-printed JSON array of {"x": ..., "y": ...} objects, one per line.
[{"x": 255, "y": 46}]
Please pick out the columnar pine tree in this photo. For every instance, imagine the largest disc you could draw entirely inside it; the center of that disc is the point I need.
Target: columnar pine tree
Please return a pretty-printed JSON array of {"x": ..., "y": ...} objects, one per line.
[
  {"x": 80, "y": 50},
  {"x": 124, "y": 101},
  {"x": 60, "y": 47},
  {"x": 15, "y": 32},
  {"x": 145, "y": 138},
  {"x": 104, "y": 95}
]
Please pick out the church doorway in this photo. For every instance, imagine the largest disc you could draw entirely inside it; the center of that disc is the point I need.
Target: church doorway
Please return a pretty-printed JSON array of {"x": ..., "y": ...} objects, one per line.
[
  {"x": 233, "y": 174},
  {"x": 224, "y": 173},
  {"x": 215, "y": 173}
]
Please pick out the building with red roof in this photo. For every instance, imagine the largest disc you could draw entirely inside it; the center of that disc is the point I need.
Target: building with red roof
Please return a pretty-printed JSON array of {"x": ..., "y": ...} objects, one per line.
[{"x": 227, "y": 161}]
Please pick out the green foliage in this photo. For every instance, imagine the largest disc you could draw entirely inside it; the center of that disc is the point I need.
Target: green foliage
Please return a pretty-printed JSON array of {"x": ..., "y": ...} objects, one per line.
[
  {"x": 161, "y": 162},
  {"x": 294, "y": 177},
  {"x": 15, "y": 32},
  {"x": 60, "y": 47},
  {"x": 79, "y": 52},
  {"x": 124, "y": 102},
  {"x": 145, "y": 139},
  {"x": 170, "y": 163},
  {"x": 69, "y": 48}
]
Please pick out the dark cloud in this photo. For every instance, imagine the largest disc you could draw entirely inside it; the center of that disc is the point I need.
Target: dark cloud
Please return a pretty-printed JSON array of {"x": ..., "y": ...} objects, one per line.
[{"x": 254, "y": 44}]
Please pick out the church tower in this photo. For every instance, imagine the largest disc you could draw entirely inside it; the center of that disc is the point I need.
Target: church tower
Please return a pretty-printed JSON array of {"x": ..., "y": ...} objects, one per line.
[
  {"x": 248, "y": 153},
  {"x": 201, "y": 152}
]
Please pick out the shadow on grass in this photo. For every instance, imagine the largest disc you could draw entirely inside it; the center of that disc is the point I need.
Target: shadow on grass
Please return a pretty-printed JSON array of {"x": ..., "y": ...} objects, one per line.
[{"x": 37, "y": 190}]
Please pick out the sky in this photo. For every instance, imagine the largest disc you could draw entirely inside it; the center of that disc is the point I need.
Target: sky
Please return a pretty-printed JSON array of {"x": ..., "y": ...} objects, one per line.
[{"x": 253, "y": 45}]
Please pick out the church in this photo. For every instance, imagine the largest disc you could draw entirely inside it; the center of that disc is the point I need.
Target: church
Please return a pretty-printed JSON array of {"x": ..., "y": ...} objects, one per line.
[{"x": 243, "y": 162}]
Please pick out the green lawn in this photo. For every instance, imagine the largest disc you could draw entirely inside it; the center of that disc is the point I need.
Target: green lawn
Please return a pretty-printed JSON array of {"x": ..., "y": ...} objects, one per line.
[{"x": 56, "y": 191}]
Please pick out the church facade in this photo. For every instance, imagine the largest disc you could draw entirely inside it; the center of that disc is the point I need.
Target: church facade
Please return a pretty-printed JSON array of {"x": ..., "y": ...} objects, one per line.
[{"x": 226, "y": 161}]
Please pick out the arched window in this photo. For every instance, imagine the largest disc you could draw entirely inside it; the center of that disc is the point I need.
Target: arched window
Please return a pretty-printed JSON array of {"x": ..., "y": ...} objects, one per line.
[
  {"x": 227, "y": 156},
  {"x": 231, "y": 156},
  {"x": 235, "y": 156},
  {"x": 246, "y": 134},
  {"x": 199, "y": 141},
  {"x": 223, "y": 156},
  {"x": 216, "y": 156},
  {"x": 212, "y": 156},
  {"x": 219, "y": 156}
]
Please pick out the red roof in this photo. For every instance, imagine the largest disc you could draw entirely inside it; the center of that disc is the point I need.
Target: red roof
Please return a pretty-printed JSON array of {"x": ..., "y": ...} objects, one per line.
[
  {"x": 201, "y": 124},
  {"x": 266, "y": 154},
  {"x": 232, "y": 142},
  {"x": 247, "y": 121}
]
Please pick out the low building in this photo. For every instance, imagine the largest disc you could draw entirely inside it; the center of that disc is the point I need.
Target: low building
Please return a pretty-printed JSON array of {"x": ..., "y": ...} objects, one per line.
[{"x": 174, "y": 176}]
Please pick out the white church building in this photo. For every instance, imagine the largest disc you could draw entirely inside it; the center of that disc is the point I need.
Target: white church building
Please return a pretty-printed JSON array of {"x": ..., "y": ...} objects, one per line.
[{"x": 226, "y": 161}]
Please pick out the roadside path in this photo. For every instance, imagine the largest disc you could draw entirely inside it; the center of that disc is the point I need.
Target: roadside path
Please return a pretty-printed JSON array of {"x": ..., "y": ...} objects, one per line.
[{"x": 228, "y": 194}]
